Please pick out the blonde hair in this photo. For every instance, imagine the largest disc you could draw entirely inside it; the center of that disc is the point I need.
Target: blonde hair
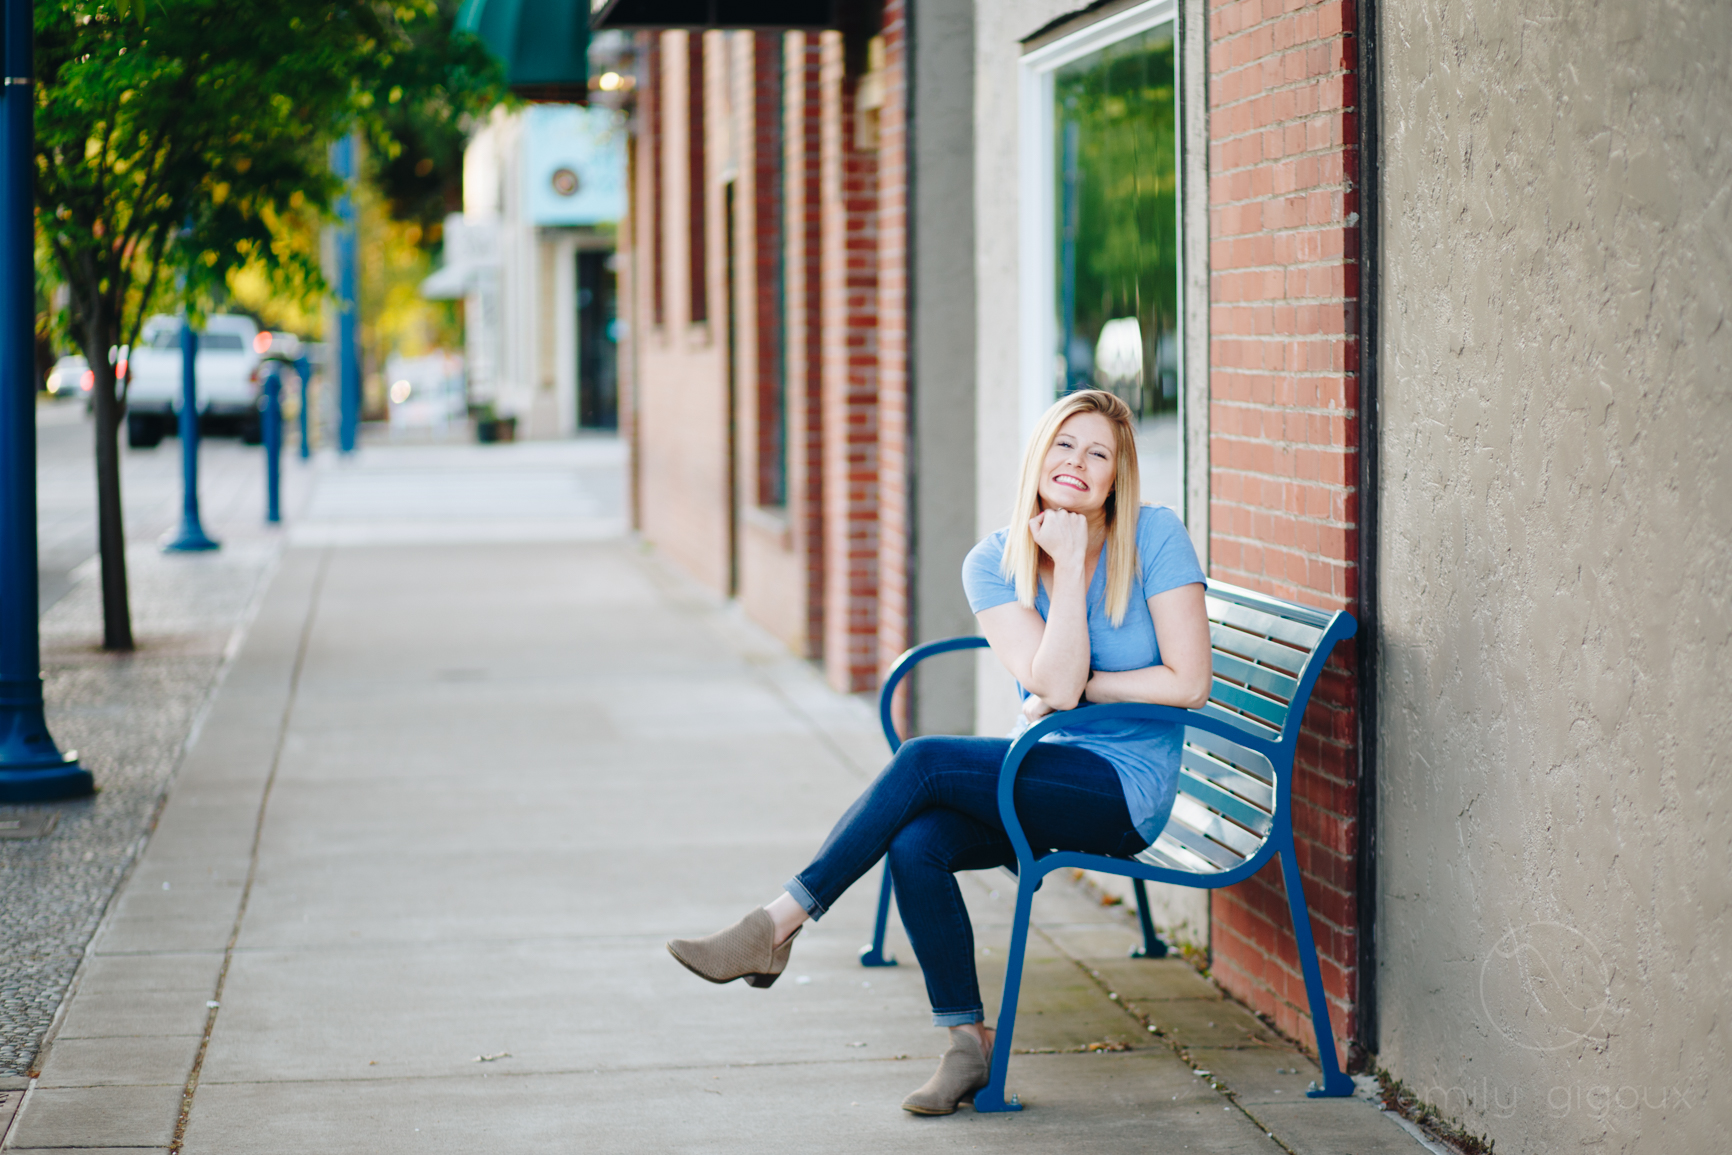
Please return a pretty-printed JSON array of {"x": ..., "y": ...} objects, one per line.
[{"x": 1022, "y": 556}]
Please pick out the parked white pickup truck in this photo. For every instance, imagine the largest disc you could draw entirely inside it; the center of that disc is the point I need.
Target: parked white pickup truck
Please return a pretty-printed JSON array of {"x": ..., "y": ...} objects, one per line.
[{"x": 227, "y": 380}]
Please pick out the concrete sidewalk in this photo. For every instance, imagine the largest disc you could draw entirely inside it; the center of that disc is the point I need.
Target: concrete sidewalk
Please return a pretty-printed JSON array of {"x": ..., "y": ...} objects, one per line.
[
  {"x": 410, "y": 889},
  {"x": 127, "y": 714}
]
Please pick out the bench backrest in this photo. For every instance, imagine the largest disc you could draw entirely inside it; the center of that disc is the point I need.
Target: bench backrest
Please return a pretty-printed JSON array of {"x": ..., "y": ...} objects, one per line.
[{"x": 1267, "y": 653}]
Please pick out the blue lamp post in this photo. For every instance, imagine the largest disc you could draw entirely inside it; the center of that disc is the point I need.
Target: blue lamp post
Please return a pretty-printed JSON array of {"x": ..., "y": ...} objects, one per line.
[
  {"x": 32, "y": 768},
  {"x": 345, "y": 162},
  {"x": 190, "y": 538}
]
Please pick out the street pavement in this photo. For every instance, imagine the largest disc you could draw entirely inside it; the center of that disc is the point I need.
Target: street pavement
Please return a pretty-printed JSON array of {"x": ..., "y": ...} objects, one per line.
[
  {"x": 231, "y": 487},
  {"x": 475, "y": 753}
]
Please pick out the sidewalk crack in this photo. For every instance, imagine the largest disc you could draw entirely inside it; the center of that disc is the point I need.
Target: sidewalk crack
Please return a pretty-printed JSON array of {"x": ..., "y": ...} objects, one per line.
[
  {"x": 1178, "y": 1048},
  {"x": 215, "y": 1003}
]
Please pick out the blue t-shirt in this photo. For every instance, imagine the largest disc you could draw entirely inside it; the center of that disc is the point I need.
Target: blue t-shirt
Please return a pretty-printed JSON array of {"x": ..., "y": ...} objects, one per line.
[{"x": 1145, "y": 754}]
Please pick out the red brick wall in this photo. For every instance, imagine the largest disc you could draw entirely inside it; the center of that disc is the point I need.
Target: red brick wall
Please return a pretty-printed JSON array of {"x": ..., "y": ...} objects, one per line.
[
  {"x": 679, "y": 385},
  {"x": 803, "y": 142},
  {"x": 1283, "y": 454},
  {"x": 768, "y": 118},
  {"x": 748, "y": 115},
  {"x": 839, "y": 231},
  {"x": 849, "y": 214},
  {"x": 894, "y": 543}
]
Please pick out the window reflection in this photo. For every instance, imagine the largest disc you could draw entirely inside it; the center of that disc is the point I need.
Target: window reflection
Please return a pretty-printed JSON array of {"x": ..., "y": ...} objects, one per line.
[{"x": 1117, "y": 228}]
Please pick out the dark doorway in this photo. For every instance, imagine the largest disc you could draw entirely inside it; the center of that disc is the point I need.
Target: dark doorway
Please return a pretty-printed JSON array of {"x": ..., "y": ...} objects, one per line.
[{"x": 597, "y": 353}]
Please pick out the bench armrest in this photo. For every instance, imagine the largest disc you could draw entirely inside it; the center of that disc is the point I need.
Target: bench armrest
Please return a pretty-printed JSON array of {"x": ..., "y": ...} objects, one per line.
[{"x": 903, "y": 666}]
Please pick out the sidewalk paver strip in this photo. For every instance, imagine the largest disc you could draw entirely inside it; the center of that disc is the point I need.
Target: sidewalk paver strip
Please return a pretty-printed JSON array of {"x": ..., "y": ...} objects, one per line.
[{"x": 214, "y": 1005}]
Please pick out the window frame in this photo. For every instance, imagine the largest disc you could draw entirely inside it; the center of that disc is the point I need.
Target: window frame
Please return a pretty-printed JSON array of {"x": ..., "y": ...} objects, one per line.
[{"x": 1037, "y": 209}]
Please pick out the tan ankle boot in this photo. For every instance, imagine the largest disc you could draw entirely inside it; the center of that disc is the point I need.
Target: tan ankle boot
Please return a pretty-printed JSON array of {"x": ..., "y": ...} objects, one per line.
[
  {"x": 745, "y": 950},
  {"x": 961, "y": 1073}
]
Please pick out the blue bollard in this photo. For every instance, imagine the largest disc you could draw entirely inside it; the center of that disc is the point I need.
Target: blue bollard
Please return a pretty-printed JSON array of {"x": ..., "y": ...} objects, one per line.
[
  {"x": 32, "y": 768},
  {"x": 191, "y": 537},
  {"x": 304, "y": 369},
  {"x": 273, "y": 446},
  {"x": 345, "y": 163}
]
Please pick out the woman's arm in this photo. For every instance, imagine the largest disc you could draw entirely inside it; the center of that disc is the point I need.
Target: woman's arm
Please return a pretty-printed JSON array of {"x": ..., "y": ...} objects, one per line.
[
  {"x": 1186, "y": 672},
  {"x": 1050, "y": 658}
]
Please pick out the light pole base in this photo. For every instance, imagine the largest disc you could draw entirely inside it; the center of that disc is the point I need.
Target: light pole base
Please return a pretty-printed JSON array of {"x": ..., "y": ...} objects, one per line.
[
  {"x": 32, "y": 768},
  {"x": 190, "y": 538},
  {"x": 47, "y": 782}
]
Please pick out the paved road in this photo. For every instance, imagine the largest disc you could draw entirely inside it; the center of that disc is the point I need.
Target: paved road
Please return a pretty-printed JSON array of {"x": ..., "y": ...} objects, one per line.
[
  {"x": 410, "y": 885},
  {"x": 232, "y": 488}
]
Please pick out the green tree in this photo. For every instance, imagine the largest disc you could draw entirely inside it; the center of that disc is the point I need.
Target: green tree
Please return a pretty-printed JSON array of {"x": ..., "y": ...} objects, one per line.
[
  {"x": 419, "y": 128},
  {"x": 173, "y": 138}
]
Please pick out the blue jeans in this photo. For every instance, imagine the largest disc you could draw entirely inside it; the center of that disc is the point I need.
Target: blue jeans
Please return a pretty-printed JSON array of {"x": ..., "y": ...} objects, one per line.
[{"x": 934, "y": 809}]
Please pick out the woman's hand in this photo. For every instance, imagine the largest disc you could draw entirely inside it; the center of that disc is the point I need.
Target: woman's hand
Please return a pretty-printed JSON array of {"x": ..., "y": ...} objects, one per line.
[
  {"x": 1064, "y": 536},
  {"x": 1034, "y": 708},
  {"x": 1049, "y": 658}
]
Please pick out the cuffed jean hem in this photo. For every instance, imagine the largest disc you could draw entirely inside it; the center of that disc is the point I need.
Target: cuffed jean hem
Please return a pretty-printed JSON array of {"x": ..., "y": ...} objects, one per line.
[
  {"x": 958, "y": 1018},
  {"x": 797, "y": 890}
]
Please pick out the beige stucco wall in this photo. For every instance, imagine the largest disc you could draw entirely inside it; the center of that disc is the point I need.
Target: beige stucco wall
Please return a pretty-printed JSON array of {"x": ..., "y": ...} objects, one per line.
[{"x": 1555, "y": 952}]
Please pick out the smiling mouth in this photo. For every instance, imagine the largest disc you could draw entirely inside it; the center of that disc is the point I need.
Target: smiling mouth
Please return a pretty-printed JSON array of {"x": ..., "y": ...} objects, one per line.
[{"x": 1070, "y": 481}]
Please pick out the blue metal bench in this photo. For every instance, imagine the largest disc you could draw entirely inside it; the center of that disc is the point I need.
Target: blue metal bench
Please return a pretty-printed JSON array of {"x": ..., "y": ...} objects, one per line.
[{"x": 1234, "y": 808}]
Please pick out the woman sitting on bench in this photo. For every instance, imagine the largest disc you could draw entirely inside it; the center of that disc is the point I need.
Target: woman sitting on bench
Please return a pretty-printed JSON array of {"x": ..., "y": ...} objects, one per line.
[{"x": 1087, "y": 597}]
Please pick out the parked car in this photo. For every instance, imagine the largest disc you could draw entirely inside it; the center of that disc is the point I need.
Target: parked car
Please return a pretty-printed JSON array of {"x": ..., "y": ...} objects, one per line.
[
  {"x": 227, "y": 380},
  {"x": 82, "y": 383},
  {"x": 70, "y": 377},
  {"x": 278, "y": 344}
]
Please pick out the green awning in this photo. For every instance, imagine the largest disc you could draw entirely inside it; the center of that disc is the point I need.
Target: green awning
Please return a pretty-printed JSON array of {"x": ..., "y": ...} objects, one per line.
[
  {"x": 761, "y": 15},
  {"x": 544, "y": 44}
]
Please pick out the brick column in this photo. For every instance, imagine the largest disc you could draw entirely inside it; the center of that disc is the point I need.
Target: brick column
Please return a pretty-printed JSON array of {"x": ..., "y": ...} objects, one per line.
[
  {"x": 1283, "y": 449},
  {"x": 773, "y": 472},
  {"x": 803, "y": 142},
  {"x": 893, "y": 403},
  {"x": 849, "y": 212}
]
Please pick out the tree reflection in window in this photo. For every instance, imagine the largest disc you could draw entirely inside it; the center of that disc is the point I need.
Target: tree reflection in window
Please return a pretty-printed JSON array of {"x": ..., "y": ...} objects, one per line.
[{"x": 1117, "y": 229}]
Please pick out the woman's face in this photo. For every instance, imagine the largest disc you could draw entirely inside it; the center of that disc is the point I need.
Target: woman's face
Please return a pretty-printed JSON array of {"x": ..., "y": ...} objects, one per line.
[{"x": 1078, "y": 472}]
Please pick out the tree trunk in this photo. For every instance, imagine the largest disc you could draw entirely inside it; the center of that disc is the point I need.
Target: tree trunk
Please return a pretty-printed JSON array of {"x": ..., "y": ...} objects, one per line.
[{"x": 99, "y": 335}]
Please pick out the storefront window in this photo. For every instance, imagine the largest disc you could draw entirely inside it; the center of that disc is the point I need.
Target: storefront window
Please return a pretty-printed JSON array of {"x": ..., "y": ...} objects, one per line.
[{"x": 1115, "y": 202}]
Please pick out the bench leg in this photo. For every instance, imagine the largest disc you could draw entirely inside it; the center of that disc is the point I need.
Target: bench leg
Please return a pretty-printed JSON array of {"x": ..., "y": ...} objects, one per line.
[
  {"x": 991, "y": 1098},
  {"x": 1334, "y": 1082},
  {"x": 1152, "y": 946},
  {"x": 872, "y": 954}
]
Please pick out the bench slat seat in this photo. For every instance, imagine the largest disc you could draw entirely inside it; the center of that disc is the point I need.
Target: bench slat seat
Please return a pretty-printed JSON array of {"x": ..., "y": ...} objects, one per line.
[
  {"x": 1183, "y": 829},
  {"x": 1255, "y": 648},
  {"x": 1220, "y": 772},
  {"x": 1252, "y": 726},
  {"x": 1170, "y": 855},
  {"x": 1233, "y": 810},
  {"x": 1222, "y": 800},
  {"x": 1264, "y": 679},
  {"x": 1236, "y": 697}
]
